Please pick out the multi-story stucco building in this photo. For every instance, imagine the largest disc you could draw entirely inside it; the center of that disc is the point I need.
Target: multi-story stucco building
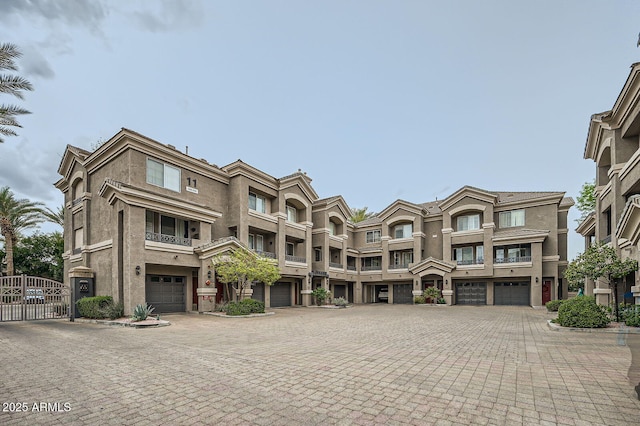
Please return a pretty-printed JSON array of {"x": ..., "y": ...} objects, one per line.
[
  {"x": 146, "y": 220},
  {"x": 613, "y": 144}
]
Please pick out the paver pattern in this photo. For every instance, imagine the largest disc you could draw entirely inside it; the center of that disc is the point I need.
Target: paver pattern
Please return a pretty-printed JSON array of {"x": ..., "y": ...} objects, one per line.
[{"x": 369, "y": 364}]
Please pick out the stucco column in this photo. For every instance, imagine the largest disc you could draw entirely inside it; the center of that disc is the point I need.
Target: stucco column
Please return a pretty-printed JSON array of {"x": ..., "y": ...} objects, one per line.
[
  {"x": 447, "y": 289},
  {"x": 536, "y": 274},
  {"x": 306, "y": 291},
  {"x": 446, "y": 244},
  {"x": 602, "y": 293}
]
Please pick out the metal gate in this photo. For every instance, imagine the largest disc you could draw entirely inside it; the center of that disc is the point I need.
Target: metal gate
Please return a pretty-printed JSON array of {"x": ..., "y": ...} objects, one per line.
[{"x": 25, "y": 298}]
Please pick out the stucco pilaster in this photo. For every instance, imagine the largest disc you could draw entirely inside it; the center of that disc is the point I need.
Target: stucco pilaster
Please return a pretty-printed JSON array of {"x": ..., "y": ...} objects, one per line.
[
  {"x": 446, "y": 244},
  {"x": 536, "y": 274}
]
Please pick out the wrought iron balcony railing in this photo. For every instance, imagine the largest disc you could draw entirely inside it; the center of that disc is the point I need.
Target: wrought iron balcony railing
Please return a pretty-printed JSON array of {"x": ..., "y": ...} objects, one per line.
[
  {"x": 266, "y": 254},
  {"x": 336, "y": 265},
  {"x": 169, "y": 239},
  {"x": 295, "y": 259},
  {"x": 516, "y": 259}
]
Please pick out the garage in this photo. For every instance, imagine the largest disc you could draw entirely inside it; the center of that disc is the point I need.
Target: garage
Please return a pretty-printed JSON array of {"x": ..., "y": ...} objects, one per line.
[
  {"x": 280, "y": 295},
  {"x": 512, "y": 293},
  {"x": 165, "y": 293},
  {"x": 258, "y": 292},
  {"x": 471, "y": 293},
  {"x": 402, "y": 293}
]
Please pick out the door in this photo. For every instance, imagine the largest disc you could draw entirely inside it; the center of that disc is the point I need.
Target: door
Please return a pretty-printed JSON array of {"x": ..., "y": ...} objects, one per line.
[
  {"x": 402, "y": 293},
  {"x": 546, "y": 291},
  {"x": 471, "y": 293},
  {"x": 512, "y": 293},
  {"x": 258, "y": 292},
  {"x": 166, "y": 293},
  {"x": 280, "y": 295},
  {"x": 194, "y": 288}
]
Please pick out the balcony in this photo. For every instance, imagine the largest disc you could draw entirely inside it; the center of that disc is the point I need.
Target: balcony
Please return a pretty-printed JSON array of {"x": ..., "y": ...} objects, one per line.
[
  {"x": 168, "y": 239},
  {"x": 351, "y": 268},
  {"x": 470, "y": 262},
  {"x": 399, "y": 266},
  {"x": 371, "y": 268},
  {"x": 267, "y": 254},
  {"x": 519, "y": 259},
  {"x": 296, "y": 259},
  {"x": 336, "y": 265}
]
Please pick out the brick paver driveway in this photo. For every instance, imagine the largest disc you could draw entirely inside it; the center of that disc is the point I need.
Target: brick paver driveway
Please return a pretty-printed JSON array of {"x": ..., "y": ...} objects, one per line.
[{"x": 363, "y": 365}]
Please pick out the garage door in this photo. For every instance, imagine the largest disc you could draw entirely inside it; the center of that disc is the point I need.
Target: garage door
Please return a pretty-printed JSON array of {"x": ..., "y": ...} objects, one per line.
[
  {"x": 165, "y": 293},
  {"x": 471, "y": 293},
  {"x": 258, "y": 292},
  {"x": 402, "y": 293},
  {"x": 512, "y": 293},
  {"x": 280, "y": 295},
  {"x": 339, "y": 290}
]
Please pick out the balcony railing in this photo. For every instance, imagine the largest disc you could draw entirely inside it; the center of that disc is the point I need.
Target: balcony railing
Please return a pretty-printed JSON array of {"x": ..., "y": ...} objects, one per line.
[
  {"x": 352, "y": 268},
  {"x": 517, "y": 259},
  {"x": 399, "y": 266},
  {"x": 297, "y": 259},
  {"x": 169, "y": 239},
  {"x": 471, "y": 262},
  {"x": 265, "y": 254},
  {"x": 372, "y": 268},
  {"x": 336, "y": 265}
]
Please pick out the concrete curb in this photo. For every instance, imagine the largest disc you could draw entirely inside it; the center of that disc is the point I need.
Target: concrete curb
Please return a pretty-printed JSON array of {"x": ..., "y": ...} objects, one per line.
[
  {"x": 621, "y": 329},
  {"x": 223, "y": 315},
  {"x": 148, "y": 323}
]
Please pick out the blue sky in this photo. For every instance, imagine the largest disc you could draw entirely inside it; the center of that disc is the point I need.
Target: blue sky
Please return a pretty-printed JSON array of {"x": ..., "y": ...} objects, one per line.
[{"x": 375, "y": 100}]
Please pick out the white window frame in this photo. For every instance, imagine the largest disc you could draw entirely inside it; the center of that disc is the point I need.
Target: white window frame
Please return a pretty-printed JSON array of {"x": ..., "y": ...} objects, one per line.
[
  {"x": 468, "y": 222},
  {"x": 257, "y": 202},
  {"x": 406, "y": 228},
  {"x": 170, "y": 176},
  {"x": 317, "y": 254},
  {"x": 292, "y": 214},
  {"x": 512, "y": 218},
  {"x": 332, "y": 228},
  {"x": 374, "y": 236},
  {"x": 290, "y": 249}
]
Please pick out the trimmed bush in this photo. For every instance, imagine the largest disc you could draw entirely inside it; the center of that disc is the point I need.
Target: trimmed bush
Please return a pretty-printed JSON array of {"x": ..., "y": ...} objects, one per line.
[
  {"x": 419, "y": 300},
  {"x": 340, "y": 301},
  {"x": 94, "y": 307},
  {"x": 582, "y": 312},
  {"x": 244, "y": 307},
  {"x": 553, "y": 305},
  {"x": 114, "y": 311},
  {"x": 631, "y": 315},
  {"x": 441, "y": 301}
]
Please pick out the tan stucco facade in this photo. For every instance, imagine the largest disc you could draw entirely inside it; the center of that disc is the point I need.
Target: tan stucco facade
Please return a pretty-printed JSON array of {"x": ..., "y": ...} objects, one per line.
[{"x": 147, "y": 219}]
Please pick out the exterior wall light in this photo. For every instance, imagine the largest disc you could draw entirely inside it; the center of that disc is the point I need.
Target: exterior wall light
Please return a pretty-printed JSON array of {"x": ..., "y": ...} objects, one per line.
[{"x": 138, "y": 270}]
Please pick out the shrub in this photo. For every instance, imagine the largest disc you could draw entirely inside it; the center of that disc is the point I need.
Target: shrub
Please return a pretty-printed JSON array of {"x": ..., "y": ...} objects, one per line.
[
  {"x": 583, "y": 312},
  {"x": 114, "y": 310},
  {"x": 141, "y": 312},
  {"x": 321, "y": 294},
  {"x": 553, "y": 305},
  {"x": 93, "y": 307},
  {"x": 631, "y": 315},
  {"x": 340, "y": 301},
  {"x": 419, "y": 300},
  {"x": 441, "y": 301},
  {"x": 432, "y": 293},
  {"x": 244, "y": 307}
]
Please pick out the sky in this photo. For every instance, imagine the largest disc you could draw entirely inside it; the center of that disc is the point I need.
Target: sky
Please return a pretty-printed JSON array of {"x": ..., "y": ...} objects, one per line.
[{"x": 375, "y": 100}]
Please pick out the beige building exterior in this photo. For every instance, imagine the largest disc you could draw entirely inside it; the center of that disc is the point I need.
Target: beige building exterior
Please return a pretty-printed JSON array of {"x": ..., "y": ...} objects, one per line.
[
  {"x": 613, "y": 144},
  {"x": 146, "y": 220}
]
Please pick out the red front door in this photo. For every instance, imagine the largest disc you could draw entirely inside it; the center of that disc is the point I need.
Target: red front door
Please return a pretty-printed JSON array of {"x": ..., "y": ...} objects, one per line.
[{"x": 546, "y": 291}]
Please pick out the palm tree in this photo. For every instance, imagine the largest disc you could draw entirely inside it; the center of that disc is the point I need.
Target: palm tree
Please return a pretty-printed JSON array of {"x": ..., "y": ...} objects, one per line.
[
  {"x": 16, "y": 215},
  {"x": 56, "y": 216},
  {"x": 13, "y": 85},
  {"x": 358, "y": 215}
]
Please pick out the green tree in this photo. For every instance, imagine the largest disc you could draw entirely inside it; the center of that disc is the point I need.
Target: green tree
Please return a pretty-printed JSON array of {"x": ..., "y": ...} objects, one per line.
[
  {"x": 600, "y": 262},
  {"x": 16, "y": 215},
  {"x": 359, "y": 215},
  {"x": 242, "y": 268},
  {"x": 586, "y": 200},
  {"x": 13, "y": 85},
  {"x": 56, "y": 216},
  {"x": 40, "y": 255}
]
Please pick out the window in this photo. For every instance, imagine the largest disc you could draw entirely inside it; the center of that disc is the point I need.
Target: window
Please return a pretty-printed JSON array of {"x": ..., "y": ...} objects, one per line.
[
  {"x": 292, "y": 214},
  {"x": 256, "y": 242},
  {"x": 257, "y": 203},
  {"x": 318, "y": 254},
  {"x": 290, "y": 249},
  {"x": 469, "y": 255},
  {"x": 166, "y": 225},
  {"x": 78, "y": 238},
  {"x": 332, "y": 228},
  {"x": 371, "y": 263},
  {"x": 512, "y": 218},
  {"x": 403, "y": 231},
  {"x": 468, "y": 222},
  {"x": 373, "y": 236},
  {"x": 163, "y": 175},
  {"x": 402, "y": 258},
  {"x": 513, "y": 253}
]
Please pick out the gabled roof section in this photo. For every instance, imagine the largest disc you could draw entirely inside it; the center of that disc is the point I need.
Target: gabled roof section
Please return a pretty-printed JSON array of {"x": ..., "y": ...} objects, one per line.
[
  {"x": 587, "y": 226},
  {"x": 597, "y": 123},
  {"x": 337, "y": 201},
  {"x": 471, "y": 192},
  {"x": 219, "y": 246},
  {"x": 71, "y": 155},
  {"x": 400, "y": 205},
  {"x": 240, "y": 168},
  {"x": 302, "y": 181},
  {"x": 432, "y": 266},
  {"x": 521, "y": 235},
  {"x": 629, "y": 223}
]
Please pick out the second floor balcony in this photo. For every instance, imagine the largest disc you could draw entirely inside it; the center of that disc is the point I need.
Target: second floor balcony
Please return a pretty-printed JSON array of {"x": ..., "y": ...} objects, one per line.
[
  {"x": 479, "y": 261},
  {"x": 266, "y": 254},
  {"x": 297, "y": 259},
  {"x": 168, "y": 239},
  {"x": 514, "y": 259},
  {"x": 336, "y": 265}
]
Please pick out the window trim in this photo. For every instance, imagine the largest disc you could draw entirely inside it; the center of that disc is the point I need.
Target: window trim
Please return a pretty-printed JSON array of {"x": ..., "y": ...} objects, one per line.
[
  {"x": 506, "y": 219},
  {"x": 165, "y": 179},
  {"x": 374, "y": 239},
  {"x": 467, "y": 217},
  {"x": 257, "y": 204}
]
